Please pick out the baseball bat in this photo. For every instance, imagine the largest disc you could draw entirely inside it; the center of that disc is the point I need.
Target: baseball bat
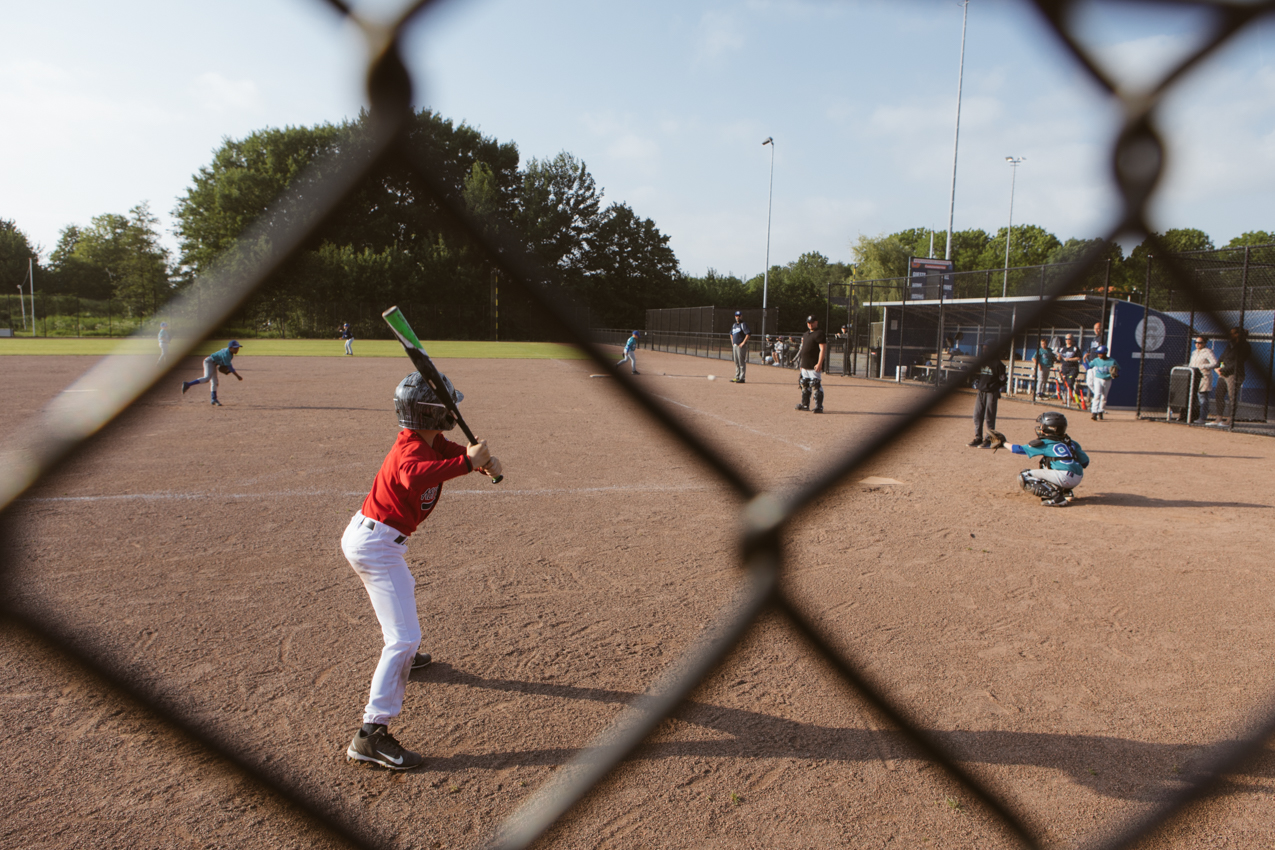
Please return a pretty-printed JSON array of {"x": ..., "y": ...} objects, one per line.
[{"x": 398, "y": 323}]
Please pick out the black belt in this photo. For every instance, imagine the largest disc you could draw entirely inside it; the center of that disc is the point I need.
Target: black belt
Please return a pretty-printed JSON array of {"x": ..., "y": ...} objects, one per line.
[{"x": 370, "y": 524}]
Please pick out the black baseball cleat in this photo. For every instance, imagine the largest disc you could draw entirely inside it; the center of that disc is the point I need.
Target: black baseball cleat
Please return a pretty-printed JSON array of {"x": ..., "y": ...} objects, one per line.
[
  {"x": 817, "y": 410},
  {"x": 636, "y": 372},
  {"x": 740, "y": 381},
  {"x": 1059, "y": 501},
  {"x": 185, "y": 386},
  {"x": 422, "y": 659},
  {"x": 803, "y": 407},
  {"x": 975, "y": 443},
  {"x": 379, "y": 747},
  {"x": 986, "y": 444},
  {"x": 216, "y": 403}
]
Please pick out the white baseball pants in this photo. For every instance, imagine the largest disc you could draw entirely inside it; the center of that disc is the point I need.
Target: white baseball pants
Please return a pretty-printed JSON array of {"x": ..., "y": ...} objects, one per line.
[{"x": 379, "y": 562}]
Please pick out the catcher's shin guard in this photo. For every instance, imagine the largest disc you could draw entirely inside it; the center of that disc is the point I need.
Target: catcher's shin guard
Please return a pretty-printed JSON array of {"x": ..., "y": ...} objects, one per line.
[
  {"x": 805, "y": 393},
  {"x": 817, "y": 385},
  {"x": 1036, "y": 486}
]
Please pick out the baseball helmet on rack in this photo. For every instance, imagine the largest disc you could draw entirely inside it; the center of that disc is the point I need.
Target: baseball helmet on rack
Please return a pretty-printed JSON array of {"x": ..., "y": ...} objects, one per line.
[
  {"x": 418, "y": 408},
  {"x": 1051, "y": 424}
]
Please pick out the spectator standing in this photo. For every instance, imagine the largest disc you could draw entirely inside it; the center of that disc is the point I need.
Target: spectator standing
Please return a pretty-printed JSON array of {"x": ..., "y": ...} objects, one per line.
[
  {"x": 1231, "y": 368},
  {"x": 1203, "y": 362},
  {"x": 739, "y": 334}
]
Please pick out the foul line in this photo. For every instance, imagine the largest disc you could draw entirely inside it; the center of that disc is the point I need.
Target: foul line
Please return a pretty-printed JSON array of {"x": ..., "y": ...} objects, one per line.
[
  {"x": 768, "y": 434},
  {"x": 287, "y": 494}
]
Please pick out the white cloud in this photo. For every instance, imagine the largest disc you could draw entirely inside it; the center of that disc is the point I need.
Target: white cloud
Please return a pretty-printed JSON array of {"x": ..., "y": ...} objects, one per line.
[
  {"x": 215, "y": 93},
  {"x": 1141, "y": 63},
  {"x": 719, "y": 34}
]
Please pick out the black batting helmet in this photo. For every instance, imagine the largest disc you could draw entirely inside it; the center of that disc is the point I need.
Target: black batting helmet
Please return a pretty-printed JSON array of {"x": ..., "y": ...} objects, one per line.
[
  {"x": 1051, "y": 424},
  {"x": 418, "y": 408}
]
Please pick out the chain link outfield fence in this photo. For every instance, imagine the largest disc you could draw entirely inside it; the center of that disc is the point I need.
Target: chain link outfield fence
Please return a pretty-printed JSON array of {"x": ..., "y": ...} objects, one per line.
[
  {"x": 1206, "y": 288},
  {"x": 1207, "y": 294}
]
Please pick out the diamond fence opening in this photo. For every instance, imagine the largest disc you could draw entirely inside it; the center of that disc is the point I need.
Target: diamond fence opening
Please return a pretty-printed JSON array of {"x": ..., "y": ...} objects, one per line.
[{"x": 106, "y": 390}]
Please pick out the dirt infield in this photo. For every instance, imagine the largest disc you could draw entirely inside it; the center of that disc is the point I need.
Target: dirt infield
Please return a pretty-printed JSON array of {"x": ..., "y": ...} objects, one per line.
[{"x": 1079, "y": 660}]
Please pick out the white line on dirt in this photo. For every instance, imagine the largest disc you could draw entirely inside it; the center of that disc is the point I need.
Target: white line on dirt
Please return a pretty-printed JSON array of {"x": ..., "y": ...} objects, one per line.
[
  {"x": 768, "y": 434},
  {"x": 289, "y": 494}
]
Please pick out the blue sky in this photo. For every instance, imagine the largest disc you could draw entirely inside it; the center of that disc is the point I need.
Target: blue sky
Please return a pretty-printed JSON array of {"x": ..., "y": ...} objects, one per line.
[{"x": 666, "y": 102}]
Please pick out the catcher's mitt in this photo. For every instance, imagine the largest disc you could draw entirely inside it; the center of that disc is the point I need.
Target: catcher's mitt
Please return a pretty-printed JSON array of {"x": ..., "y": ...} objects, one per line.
[
  {"x": 225, "y": 370},
  {"x": 998, "y": 441}
]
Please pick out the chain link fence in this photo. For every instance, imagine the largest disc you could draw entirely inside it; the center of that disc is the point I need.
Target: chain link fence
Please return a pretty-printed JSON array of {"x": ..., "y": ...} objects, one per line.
[
  {"x": 1226, "y": 298},
  {"x": 1137, "y": 157}
]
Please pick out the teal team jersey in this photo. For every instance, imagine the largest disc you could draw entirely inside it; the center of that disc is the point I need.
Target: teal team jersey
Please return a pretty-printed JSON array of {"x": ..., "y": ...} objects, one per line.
[
  {"x": 222, "y": 358},
  {"x": 1063, "y": 455},
  {"x": 1104, "y": 367}
]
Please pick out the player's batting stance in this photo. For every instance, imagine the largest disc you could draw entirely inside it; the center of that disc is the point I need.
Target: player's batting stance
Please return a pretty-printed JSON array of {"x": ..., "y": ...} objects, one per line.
[{"x": 406, "y": 490}]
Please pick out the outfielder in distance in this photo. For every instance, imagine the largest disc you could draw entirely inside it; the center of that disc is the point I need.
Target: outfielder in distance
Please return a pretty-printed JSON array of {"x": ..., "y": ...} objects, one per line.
[
  {"x": 218, "y": 361},
  {"x": 406, "y": 490}
]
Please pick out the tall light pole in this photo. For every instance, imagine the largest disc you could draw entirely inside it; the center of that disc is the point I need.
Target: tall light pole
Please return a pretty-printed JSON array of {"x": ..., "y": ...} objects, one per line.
[
  {"x": 956, "y": 141},
  {"x": 1014, "y": 162},
  {"x": 765, "y": 280}
]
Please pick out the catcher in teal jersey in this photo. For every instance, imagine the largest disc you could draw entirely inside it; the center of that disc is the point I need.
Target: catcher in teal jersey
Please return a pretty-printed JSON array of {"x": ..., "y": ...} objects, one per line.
[{"x": 1062, "y": 461}]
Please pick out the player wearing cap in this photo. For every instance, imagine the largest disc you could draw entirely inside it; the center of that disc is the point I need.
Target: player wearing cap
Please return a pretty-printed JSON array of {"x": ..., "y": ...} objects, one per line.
[
  {"x": 217, "y": 361},
  {"x": 630, "y": 353},
  {"x": 406, "y": 490},
  {"x": 739, "y": 334},
  {"x": 1102, "y": 368},
  {"x": 811, "y": 358}
]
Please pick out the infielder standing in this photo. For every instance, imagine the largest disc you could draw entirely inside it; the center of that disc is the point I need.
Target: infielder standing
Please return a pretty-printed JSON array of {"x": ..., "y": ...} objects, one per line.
[
  {"x": 811, "y": 358},
  {"x": 406, "y": 490},
  {"x": 630, "y": 353},
  {"x": 739, "y": 334},
  {"x": 346, "y": 334},
  {"x": 164, "y": 338},
  {"x": 217, "y": 360}
]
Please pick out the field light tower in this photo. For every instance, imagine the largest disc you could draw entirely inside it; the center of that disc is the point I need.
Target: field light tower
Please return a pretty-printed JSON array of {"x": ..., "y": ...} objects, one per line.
[
  {"x": 765, "y": 280},
  {"x": 1014, "y": 162}
]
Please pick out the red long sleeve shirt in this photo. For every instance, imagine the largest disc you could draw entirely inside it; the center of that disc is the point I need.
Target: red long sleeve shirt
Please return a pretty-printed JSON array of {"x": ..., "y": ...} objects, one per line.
[{"x": 411, "y": 479}]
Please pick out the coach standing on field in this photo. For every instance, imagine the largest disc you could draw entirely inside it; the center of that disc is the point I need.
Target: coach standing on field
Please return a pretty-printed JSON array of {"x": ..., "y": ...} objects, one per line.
[{"x": 739, "y": 334}]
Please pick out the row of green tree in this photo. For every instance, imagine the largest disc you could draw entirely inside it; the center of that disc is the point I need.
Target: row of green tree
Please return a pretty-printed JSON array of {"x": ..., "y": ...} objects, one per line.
[{"x": 395, "y": 242}]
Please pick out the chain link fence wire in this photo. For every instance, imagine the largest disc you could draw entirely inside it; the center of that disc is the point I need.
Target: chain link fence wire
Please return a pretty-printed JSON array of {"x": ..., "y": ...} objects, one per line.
[
  {"x": 70, "y": 423},
  {"x": 1239, "y": 285}
]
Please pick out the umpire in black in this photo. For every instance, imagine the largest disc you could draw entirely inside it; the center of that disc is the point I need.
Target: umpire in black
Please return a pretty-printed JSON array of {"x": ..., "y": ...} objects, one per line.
[{"x": 989, "y": 382}]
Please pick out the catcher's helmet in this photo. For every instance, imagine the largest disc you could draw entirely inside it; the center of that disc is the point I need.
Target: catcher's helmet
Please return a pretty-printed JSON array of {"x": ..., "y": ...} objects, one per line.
[
  {"x": 1051, "y": 424},
  {"x": 418, "y": 408}
]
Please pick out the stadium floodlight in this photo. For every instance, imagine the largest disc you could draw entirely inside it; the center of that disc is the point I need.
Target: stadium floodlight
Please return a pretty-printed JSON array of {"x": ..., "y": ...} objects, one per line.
[
  {"x": 956, "y": 141},
  {"x": 1014, "y": 162},
  {"x": 765, "y": 280}
]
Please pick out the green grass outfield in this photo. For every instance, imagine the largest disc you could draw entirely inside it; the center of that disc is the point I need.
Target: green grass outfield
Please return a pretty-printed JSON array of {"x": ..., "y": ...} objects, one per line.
[{"x": 301, "y": 348}]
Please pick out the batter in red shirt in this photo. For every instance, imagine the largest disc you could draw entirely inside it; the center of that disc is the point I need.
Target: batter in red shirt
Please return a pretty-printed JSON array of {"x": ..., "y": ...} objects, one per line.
[{"x": 406, "y": 490}]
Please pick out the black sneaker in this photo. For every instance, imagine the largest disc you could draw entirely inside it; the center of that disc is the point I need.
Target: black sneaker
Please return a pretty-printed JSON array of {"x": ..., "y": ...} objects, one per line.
[
  {"x": 975, "y": 443},
  {"x": 422, "y": 659},
  {"x": 379, "y": 747}
]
